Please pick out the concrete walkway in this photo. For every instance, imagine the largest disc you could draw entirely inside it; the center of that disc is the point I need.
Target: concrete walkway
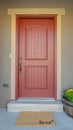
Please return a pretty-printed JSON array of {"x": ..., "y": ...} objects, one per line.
[{"x": 8, "y": 122}]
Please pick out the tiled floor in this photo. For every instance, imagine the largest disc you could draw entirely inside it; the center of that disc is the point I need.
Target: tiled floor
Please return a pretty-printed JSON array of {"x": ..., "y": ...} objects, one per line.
[{"x": 8, "y": 122}]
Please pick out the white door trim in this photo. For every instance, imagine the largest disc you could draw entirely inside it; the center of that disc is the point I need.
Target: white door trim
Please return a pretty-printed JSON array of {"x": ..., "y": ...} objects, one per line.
[
  {"x": 60, "y": 11},
  {"x": 13, "y": 13}
]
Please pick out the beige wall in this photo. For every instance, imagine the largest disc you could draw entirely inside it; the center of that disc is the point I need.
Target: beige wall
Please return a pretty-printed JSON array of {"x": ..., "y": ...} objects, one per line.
[{"x": 5, "y": 40}]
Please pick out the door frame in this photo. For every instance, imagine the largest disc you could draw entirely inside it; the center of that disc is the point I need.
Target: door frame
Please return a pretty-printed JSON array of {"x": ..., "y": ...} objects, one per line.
[{"x": 27, "y": 11}]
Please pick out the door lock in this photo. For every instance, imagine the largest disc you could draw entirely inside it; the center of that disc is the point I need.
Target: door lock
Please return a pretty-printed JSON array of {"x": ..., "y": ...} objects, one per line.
[{"x": 20, "y": 66}]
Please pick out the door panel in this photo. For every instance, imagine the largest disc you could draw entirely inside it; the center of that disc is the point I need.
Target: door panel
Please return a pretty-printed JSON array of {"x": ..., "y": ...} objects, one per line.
[
  {"x": 36, "y": 55},
  {"x": 35, "y": 42},
  {"x": 36, "y": 77}
]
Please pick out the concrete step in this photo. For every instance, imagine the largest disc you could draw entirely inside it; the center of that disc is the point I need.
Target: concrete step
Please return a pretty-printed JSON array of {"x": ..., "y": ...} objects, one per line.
[{"x": 34, "y": 104}]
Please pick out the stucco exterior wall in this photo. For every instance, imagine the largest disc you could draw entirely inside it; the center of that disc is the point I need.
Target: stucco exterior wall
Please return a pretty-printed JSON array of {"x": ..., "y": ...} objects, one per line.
[{"x": 5, "y": 41}]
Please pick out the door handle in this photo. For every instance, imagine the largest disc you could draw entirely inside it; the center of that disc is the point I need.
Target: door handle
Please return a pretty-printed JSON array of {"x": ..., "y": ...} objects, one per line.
[{"x": 20, "y": 66}]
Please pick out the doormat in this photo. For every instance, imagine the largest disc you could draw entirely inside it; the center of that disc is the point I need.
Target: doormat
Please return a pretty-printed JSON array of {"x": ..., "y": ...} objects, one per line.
[{"x": 35, "y": 119}]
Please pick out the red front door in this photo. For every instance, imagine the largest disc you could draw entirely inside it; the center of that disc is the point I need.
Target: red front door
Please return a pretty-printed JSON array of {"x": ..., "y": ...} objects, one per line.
[{"x": 36, "y": 58}]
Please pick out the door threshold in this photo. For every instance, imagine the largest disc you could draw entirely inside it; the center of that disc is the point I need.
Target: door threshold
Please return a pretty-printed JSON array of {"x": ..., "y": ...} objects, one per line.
[{"x": 35, "y": 99}]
